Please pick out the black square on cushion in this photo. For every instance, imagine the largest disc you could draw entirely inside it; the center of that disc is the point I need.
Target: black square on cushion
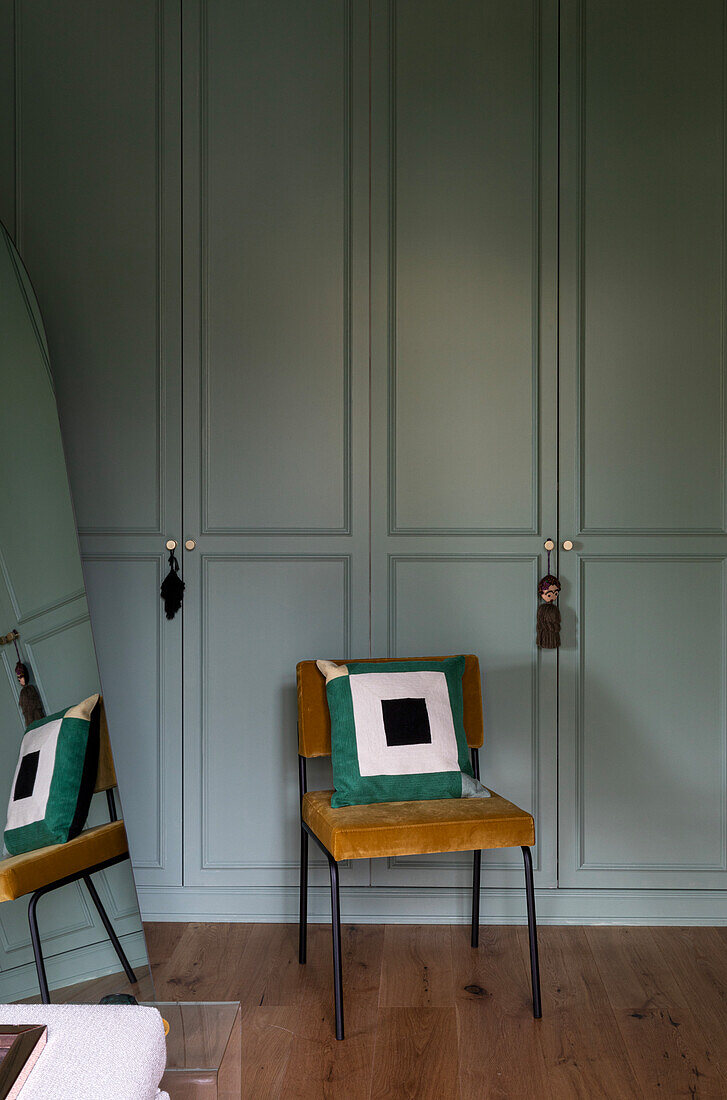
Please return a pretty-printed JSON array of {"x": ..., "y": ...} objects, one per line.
[
  {"x": 26, "y": 776},
  {"x": 406, "y": 722}
]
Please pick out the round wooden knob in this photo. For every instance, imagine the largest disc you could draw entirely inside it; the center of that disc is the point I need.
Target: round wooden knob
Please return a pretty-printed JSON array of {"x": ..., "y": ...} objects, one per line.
[
  {"x": 171, "y": 544},
  {"x": 567, "y": 545},
  {"x": 190, "y": 544},
  {"x": 549, "y": 544}
]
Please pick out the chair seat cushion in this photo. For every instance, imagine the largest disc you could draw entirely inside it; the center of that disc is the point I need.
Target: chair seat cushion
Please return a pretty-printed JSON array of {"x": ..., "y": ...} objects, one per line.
[
  {"x": 416, "y": 828},
  {"x": 25, "y": 873}
]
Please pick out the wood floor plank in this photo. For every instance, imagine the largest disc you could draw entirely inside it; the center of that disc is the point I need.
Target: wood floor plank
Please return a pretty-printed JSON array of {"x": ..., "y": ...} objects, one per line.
[
  {"x": 204, "y": 965},
  {"x": 417, "y": 967},
  {"x": 267, "y": 1038},
  {"x": 415, "y": 1057},
  {"x": 91, "y": 991},
  {"x": 319, "y": 1065},
  {"x": 161, "y": 939},
  {"x": 499, "y": 1053},
  {"x": 289, "y": 983},
  {"x": 667, "y": 1048},
  {"x": 268, "y": 945},
  {"x": 697, "y": 957},
  {"x": 583, "y": 1050}
]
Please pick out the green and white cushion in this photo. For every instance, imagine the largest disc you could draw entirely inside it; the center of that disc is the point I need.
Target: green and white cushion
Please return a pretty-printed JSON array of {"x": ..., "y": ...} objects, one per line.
[
  {"x": 397, "y": 732},
  {"x": 54, "y": 780}
]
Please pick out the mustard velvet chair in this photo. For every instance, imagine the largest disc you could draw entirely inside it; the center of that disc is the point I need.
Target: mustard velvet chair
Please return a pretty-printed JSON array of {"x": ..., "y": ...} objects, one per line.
[
  {"x": 46, "y": 869},
  {"x": 403, "y": 828}
]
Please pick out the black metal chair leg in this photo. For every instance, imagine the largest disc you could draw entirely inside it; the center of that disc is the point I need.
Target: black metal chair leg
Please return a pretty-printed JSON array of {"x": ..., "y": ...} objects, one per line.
[
  {"x": 336, "y": 930},
  {"x": 109, "y": 929},
  {"x": 532, "y": 932},
  {"x": 476, "y": 898},
  {"x": 303, "y": 920},
  {"x": 37, "y": 952}
]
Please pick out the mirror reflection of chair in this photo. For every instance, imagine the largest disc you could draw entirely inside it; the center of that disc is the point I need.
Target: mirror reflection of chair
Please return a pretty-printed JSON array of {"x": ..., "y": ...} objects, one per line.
[
  {"x": 44, "y": 609},
  {"x": 390, "y": 829},
  {"x": 46, "y": 869}
]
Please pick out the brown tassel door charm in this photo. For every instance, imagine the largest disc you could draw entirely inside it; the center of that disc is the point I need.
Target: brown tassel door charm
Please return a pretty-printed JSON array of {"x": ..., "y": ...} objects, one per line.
[
  {"x": 548, "y": 621},
  {"x": 30, "y": 702},
  {"x": 547, "y": 633}
]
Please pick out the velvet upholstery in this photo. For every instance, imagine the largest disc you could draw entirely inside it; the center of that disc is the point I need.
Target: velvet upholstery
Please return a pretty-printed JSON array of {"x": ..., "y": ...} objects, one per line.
[
  {"x": 314, "y": 723},
  {"x": 25, "y": 873},
  {"x": 404, "y": 828},
  {"x": 29, "y": 871},
  {"x": 106, "y": 777},
  {"x": 416, "y": 828}
]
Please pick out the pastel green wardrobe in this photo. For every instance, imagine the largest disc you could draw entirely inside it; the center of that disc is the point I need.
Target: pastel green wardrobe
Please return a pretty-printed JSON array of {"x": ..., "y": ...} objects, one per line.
[{"x": 367, "y": 302}]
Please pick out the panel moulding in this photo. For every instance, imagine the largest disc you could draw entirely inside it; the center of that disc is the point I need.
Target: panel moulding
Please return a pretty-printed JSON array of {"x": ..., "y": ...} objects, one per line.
[
  {"x": 393, "y": 527},
  {"x": 206, "y": 795},
  {"x": 205, "y": 431},
  {"x": 159, "y": 863}
]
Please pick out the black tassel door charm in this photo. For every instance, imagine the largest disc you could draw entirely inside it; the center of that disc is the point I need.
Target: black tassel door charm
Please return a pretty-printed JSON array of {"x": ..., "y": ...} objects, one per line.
[
  {"x": 547, "y": 633},
  {"x": 172, "y": 589}
]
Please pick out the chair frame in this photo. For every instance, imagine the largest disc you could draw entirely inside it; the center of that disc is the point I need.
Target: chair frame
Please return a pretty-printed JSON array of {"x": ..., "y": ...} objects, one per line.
[
  {"x": 86, "y": 876},
  {"x": 306, "y": 832}
]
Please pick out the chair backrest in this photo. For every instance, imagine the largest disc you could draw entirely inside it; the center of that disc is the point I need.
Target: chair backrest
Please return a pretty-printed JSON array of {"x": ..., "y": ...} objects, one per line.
[
  {"x": 314, "y": 723},
  {"x": 106, "y": 775}
]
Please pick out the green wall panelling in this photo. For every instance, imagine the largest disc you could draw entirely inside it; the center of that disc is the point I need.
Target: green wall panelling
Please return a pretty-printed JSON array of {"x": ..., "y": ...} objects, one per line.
[
  {"x": 275, "y": 410},
  {"x": 464, "y": 204},
  {"x": 473, "y": 328},
  {"x": 97, "y": 205},
  {"x": 643, "y": 742}
]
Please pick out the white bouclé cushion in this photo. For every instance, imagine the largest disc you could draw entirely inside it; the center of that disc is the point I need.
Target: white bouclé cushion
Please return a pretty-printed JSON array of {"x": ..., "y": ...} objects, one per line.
[{"x": 117, "y": 1052}]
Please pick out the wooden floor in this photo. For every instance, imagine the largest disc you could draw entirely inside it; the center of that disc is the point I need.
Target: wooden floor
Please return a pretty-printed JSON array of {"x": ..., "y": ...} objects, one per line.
[
  {"x": 627, "y": 1012},
  {"x": 91, "y": 991}
]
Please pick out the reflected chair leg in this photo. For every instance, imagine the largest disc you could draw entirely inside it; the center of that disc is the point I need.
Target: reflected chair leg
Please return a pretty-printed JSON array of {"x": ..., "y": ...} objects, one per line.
[
  {"x": 476, "y": 898},
  {"x": 303, "y": 920},
  {"x": 532, "y": 932},
  {"x": 109, "y": 929},
  {"x": 37, "y": 952},
  {"x": 336, "y": 930}
]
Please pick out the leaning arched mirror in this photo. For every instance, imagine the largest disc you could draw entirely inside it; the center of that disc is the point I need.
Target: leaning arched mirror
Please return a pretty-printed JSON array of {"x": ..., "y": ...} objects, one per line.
[{"x": 70, "y": 928}]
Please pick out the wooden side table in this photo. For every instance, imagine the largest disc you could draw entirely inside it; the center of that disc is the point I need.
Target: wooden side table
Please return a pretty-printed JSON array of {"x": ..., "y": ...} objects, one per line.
[{"x": 204, "y": 1049}]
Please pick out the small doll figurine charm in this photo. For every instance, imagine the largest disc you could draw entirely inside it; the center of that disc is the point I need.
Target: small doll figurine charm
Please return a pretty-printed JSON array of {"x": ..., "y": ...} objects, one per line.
[
  {"x": 30, "y": 701},
  {"x": 548, "y": 620}
]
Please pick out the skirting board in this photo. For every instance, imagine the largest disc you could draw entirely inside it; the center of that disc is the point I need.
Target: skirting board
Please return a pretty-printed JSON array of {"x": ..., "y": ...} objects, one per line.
[
  {"x": 69, "y": 967},
  {"x": 390, "y": 905}
]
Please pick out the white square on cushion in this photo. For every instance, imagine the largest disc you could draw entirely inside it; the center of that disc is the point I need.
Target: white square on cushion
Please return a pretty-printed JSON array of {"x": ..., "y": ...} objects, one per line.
[
  {"x": 44, "y": 741},
  {"x": 375, "y": 755}
]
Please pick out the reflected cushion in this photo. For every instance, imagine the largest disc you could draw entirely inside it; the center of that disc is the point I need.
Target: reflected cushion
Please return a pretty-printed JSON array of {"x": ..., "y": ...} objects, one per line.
[
  {"x": 397, "y": 731},
  {"x": 54, "y": 779}
]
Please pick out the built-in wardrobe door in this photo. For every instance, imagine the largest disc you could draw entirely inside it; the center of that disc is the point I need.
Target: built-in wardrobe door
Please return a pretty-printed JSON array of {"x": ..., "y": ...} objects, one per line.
[
  {"x": 275, "y": 413},
  {"x": 95, "y": 214},
  {"x": 643, "y": 742},
  {"x": 464, "y": 132}
]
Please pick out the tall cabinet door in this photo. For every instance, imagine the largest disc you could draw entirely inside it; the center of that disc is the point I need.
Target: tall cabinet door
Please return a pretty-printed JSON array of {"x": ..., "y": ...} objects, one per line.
[
  {"x": 642, "y": 706},
  {"x": 464, "y": 204},
  {"x": 276, "y": 411},
  {"x": 96, "y": 219}
]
